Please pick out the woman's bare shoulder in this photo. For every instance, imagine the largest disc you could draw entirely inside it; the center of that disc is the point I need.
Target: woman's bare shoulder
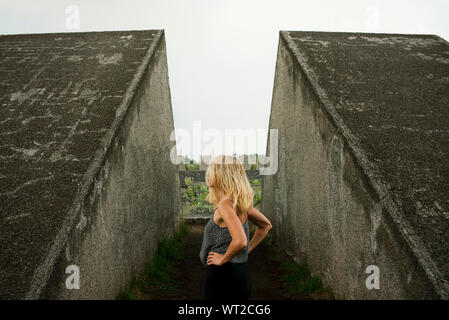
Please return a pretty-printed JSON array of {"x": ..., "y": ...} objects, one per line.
[
  {"x": 258, "y": 218},
  {"x": 253, "y": 211}
]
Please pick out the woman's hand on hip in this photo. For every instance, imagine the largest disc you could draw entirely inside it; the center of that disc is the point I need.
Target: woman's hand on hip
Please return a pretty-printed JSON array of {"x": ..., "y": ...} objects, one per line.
[{"x": 215, "y": 258}]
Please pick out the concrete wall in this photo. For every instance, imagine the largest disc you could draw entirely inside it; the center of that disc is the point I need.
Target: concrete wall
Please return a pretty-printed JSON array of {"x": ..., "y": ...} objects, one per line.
[
  {"x": 133, "y": 201},
  {"x": 322, "y": 205}
]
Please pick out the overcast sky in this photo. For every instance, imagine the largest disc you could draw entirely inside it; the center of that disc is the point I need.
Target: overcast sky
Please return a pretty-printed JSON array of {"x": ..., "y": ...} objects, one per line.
[{"x": 222, "y": 53}]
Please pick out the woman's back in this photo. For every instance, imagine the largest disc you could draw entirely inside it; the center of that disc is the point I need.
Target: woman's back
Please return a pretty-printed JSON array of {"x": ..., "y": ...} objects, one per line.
[{"x": 217, "y": 239}]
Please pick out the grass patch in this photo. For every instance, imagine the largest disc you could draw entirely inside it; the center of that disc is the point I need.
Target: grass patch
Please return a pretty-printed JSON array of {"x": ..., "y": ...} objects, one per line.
[
  {"x": 192, "y": 166},
  {"x": 161, "y": 278},
  {"x": 297, "y": 277},
  {"x": 299, "y": 280}
]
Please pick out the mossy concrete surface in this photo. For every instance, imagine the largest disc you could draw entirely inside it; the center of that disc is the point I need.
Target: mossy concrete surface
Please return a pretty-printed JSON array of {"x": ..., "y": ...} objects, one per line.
[
  {"x": 85, "y": 170},
  {"x": 363, "y": 160}
]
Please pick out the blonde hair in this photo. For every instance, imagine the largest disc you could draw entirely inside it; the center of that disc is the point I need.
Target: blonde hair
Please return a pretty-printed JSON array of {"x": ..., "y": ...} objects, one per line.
[{"x": 226, "y": 173}]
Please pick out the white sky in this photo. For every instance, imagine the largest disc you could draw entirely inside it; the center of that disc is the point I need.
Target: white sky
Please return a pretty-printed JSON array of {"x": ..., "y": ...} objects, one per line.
[{"x": 222, "y": 53}]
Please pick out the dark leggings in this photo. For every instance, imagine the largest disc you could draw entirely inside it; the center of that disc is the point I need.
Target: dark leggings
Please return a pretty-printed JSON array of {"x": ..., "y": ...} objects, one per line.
[{"x": 230, "y": 281}]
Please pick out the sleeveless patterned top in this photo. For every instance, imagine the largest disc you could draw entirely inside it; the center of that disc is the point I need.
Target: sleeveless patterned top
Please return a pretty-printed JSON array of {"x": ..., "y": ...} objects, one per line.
[{"x": 217, "y": 239}]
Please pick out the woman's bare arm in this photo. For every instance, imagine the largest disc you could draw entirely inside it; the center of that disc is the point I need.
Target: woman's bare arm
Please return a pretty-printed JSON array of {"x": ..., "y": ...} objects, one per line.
[
  {"x": 263, "y": 226},
  {"x": 235, "y": 228}
]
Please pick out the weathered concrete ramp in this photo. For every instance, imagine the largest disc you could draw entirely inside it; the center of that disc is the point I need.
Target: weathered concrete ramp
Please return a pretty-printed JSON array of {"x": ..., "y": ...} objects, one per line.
[
  {"x": 363, "y": 160},
  {"x": 85, "y": 171}
]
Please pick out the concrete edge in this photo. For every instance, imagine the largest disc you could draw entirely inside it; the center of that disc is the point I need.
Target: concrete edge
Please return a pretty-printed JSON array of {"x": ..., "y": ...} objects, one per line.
[
  {"x": 366, "y": 33},
  {"x": 44, "y": 270},
  {"x": 440, "y": 38},
  {"x": 196, "y": 219},
  {"x": 440, "y": 285},
  {"x": 72, "y": 32}
]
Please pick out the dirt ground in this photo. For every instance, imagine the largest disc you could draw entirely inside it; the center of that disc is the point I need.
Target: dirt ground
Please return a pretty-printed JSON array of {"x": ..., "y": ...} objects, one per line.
[
  {"x": 266, "y": 281},
  {"x": 188, "y": 273}
]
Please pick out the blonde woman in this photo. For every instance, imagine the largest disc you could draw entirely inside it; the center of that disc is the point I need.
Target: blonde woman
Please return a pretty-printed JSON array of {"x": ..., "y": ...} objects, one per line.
[{"x": 226, "y": 244}]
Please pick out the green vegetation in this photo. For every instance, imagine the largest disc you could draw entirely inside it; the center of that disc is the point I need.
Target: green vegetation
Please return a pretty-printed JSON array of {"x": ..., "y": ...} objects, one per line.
[
  {"x": 257, "y": 187},
  {"x": 255, "y": 182},
  {"x": 299, "y": 279},
  {"x": 296, "y": 277},
  {"x": 257, "y": 198},
  {"x": 193, "y": 197},
  {"x": 160, "y": 278},
  {"x": 192, "y": 166},
  {"x": 197, "y": 192}
]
